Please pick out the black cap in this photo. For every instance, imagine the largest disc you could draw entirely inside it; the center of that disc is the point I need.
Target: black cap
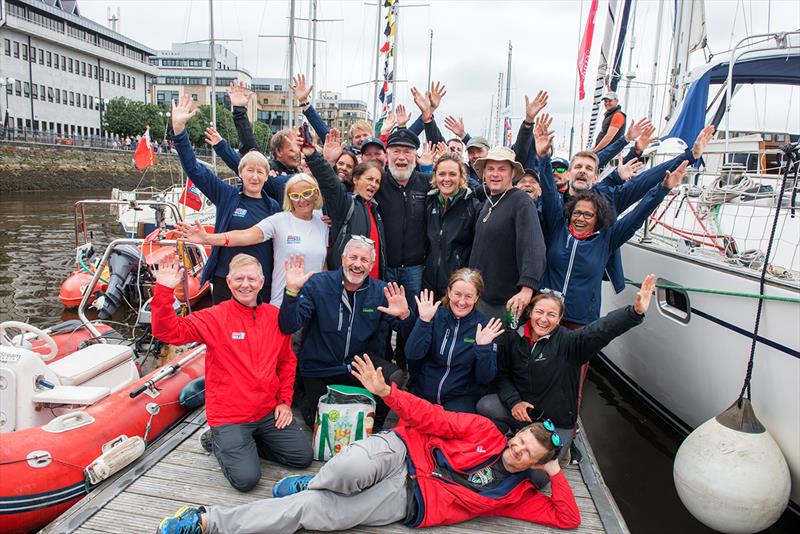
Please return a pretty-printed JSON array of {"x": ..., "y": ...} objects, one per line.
[
  {"x": 372, "y": 141},
  {"x": 403, "y": 137}
]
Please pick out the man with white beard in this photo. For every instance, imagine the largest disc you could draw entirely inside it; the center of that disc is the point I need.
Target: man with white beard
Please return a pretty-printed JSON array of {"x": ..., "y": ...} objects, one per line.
[{"x": 341, "y": 312}]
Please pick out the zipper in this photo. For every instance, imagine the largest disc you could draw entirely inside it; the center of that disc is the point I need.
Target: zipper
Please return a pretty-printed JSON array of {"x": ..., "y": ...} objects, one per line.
[
  {"x": 449, "y": 360},
  {"x": 444, "y": 342},
  {"x": 350, "y": 325},
  {"x": 569, "y": 267},
  {"x": 339, "y": 328}
]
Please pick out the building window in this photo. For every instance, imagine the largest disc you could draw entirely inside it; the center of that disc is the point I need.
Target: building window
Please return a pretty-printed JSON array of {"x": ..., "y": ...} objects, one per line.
[
  {"x": 84, "y": 100},
  {"x": 25, "y": 52},
  {"x": 266, "y": 101},
  {"x": 83, "y": 68},
  {"x": 16, "y": 49},
  {"x": 50, "y": 95},
  {"x": 107, "y": 78},
  {"x": 9, "y": 89},
  {"x": 91, "y": 102},
  {"x": 64, "y": 63},
  {"x": 18, "y": 87},
  {"x": 70, "y": 64},
  {"x": 41, "y": 92},
  {"x": 194, "y": 97},
  {"x": 41, "y": 56},
  {"x": 58, "y": 96},
  {"x": 26, "y": 89},
  {"x": 195, "y": 62},
  {"x": 71, "y": 98},
  {"x": 94, "y": 70},
  {"x": 49, "y": 59},
  {"x": 133, "y": 82},
  {"x": 33, "y": 54},
  {"x": 7, "y": 46},
  {"x": 64, "y": 96},
  {"x": 277, "y": 87},
  {"x": 34, "y": 91}
]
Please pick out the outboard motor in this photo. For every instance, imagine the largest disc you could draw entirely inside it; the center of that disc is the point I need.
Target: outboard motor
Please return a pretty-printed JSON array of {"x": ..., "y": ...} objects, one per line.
[{"x": 123, "y": 260}]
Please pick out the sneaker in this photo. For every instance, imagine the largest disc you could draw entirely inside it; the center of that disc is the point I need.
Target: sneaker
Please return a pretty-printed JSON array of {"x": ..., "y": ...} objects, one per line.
[
  {"x": 206, "y": 438},
  {"x": 187, "y": 520},
  {"x": 291, "y": 485}
]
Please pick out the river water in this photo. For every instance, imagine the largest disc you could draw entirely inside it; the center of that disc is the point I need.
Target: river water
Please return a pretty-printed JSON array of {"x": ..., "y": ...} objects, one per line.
[{"x": 634, "y": 448}]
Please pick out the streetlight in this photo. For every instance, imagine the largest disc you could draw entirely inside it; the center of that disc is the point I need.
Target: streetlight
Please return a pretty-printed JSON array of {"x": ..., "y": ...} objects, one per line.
[{"x": 6, "y": 82}]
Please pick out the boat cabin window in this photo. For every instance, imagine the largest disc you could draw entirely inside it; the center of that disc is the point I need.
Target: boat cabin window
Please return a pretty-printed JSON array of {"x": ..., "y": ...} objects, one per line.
[{"x": 673, "y": 302}]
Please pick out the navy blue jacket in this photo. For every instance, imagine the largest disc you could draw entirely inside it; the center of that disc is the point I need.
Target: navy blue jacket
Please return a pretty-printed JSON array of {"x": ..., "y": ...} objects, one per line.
[
  {"x": 445, "y": 360},
  {"x": 223, "y": 195},
  {"x": 575, "y": 267},
  {"x": 334, "y": 331}
]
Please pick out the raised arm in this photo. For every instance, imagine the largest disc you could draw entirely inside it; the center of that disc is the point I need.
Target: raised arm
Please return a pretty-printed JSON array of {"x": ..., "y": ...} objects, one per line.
[
  {"x": 240, "y": 98},
  {"x": 195, "y": 233},
  {"x": 525, "y": 141},
  {"x": 298, "y": 305},
  {"x": 419, "y": 341},
  {"x": 301, "y": 92},
  {"x": 334, "y": 192},
  {"x": 167, "y": 326},
  {"x": 539, "y": 157},
  {"x": 223, "y": 149}
]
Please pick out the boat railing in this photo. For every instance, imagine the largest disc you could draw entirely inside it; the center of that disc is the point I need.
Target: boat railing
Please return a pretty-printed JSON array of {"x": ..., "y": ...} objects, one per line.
[
  {"x": 81, "y": 226},
  {"x": 104, "y": 261}
]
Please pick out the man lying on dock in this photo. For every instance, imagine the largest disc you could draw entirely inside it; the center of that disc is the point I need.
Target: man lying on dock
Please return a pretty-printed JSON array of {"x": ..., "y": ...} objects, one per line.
[{"x": 435, "y": 468}]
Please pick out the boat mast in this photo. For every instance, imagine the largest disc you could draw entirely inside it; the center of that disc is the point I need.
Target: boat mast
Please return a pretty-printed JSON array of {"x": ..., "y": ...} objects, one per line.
[
  {"x": 396, "y": 46},
  {"x": 575, "y": 86},
  {"x": 430, "y": 59},
  {"x": 602, "y": 68},
  {"x": 289, "y": 92},
  {"x": 498, "y": 110},
  {"x": 213, "y": 59},
  {"x": 653, "y": 75},
  {"x": 377, "y": 62}
]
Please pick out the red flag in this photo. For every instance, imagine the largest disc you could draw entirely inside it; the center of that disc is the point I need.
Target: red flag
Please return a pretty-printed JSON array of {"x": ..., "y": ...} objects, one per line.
[
  {"x": 191, "y": 196},
  {"x": 586, "y": 48},
  {"x": 144, "y": 155}
]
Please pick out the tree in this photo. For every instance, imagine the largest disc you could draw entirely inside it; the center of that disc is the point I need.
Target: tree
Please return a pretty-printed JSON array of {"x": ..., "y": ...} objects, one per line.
[
  {"x": 263, "y": 135},
  {"x": 126, "y": 117},
  {"x": 197, "y": 125}
]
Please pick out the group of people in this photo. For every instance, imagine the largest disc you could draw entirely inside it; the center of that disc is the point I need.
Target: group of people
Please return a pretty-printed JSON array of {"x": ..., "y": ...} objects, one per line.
[{"x": 324, "y": 251}]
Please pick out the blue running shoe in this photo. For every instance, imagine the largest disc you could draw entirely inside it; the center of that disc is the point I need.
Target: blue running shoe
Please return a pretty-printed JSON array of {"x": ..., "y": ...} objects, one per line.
[
  {"x": 291, "y": 485},
  {"x": 187, "y": 520}
]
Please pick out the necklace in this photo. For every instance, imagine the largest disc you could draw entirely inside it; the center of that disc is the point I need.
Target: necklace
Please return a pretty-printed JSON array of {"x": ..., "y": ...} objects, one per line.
[{"x": 492, "y": 205}]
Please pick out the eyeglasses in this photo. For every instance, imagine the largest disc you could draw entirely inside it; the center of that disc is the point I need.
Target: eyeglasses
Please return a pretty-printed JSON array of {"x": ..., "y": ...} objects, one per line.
[
  {"x": 362, "y": 239},
  {"x": 306, "y": 194},
  {"x": 588, "y": 215},
  {"x": 559, "y": 168},
  {"x": 555, "y": 439},
  {"x": 551, "y": 293}
]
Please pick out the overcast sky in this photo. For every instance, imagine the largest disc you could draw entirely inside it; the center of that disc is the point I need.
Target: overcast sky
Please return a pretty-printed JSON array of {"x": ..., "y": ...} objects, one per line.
[{"x": 470, "y": 47}]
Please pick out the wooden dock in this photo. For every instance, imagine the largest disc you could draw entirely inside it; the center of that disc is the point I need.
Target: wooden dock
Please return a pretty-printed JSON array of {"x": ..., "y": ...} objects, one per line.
[{"x": 176, "y": 471}]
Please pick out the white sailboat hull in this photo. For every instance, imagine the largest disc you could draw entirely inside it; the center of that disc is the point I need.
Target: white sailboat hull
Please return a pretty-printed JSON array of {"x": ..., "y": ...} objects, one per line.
[{"x": 692, "y": 371}]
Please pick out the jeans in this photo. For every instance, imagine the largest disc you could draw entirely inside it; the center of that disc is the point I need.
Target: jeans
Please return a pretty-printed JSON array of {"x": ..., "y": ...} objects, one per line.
[{"x": 410, "y": 277}]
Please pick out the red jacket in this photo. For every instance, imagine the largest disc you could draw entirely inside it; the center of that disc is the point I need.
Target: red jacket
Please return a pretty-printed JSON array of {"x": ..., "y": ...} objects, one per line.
[
  {"x": 469, "y": 442},
  {"x": 250, "y": 365}
]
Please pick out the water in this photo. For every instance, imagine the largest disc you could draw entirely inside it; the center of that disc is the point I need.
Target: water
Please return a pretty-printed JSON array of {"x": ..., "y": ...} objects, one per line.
[{"x": 633, "y": 446}]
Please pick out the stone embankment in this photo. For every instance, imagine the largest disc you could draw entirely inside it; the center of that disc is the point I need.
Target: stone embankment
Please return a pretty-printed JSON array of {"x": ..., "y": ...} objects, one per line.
[{"x": 39, "y": 167}]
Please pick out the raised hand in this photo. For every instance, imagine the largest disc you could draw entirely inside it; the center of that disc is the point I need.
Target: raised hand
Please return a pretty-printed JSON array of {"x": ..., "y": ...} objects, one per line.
[
  {"x": 181, "y": 113},
  {"x": 520, "y": 412},
  {"x": 300, "y": 89},
  {"x": 305, "y": 150},
  {"x": 543, "y": 135},
  {"x": 194, "y": 233},
  {"x": 388, "y": 123},
  {"x": 456, "y": 126},
  {"x": 674, "y": 178},
  {"x": 169, "y": 273},
  {"x": 370, "y": 377},
  {"x": 296, "y": 277},
  {"x": 644, "y": 140},
  {"x": 637, "y": 128},
  {"x": 435, "y": 95},
  {"x": 212, "y": 136},
  {"x": 485, "y": 335},
  {"x": 333, "y": 146},
  {"x": 239, "y": 94},
  {"x": 402, "y": 115},
  {"x": 422, "y": 101},
  {"x": 439, "y": 149},
  {"x": 533, "y": 107},
  {"x": 705, "y": 135},
  {"x": 396, "y": 300},
  {"x": 426, "y": 158},
  {"x": 644, "y": 294},
  {"x": 628, "y": 170},
  {"x": 426, "y": 307}
]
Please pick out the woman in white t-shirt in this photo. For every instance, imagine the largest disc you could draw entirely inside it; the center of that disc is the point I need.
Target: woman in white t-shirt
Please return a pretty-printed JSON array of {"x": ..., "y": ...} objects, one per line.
[{"x": 296, "y": 231}]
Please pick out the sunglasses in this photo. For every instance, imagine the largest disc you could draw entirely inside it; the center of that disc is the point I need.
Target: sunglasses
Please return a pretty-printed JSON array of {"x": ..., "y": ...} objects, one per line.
[
  {"x": 362, "y": 239},
  {"x": 551, "y": 293},
  {"x": 555, "y": 439},
  {"x": 559, "y": 168},
  {"x": 306, "y": 194}
]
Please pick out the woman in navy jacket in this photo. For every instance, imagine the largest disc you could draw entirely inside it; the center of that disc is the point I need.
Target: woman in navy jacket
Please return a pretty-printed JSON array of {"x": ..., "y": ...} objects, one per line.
[
  {"x": 450, "y": 351},
  {"x": 239, "y": 206}
]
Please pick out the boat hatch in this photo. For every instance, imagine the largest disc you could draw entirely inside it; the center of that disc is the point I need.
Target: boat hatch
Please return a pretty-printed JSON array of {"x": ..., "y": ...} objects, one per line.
[{"x": 673, "y": 302}]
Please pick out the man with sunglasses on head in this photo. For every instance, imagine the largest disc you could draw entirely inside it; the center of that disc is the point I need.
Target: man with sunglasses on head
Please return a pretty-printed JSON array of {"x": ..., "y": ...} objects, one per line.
[
  {"x": 434, "y": 468},
  {"x": 341, "y": 313}
]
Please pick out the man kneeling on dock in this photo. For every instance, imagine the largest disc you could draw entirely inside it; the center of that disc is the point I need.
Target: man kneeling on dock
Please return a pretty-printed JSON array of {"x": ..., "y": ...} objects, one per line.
[
  {"x": 435, "y": 468},
  {"x": 250, "y": 370}
]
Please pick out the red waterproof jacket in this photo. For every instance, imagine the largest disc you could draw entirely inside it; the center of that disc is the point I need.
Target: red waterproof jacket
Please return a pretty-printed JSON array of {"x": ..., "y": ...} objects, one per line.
[
  {"x": 250, "y": 365},
  {"x": 469, "y": 442}
]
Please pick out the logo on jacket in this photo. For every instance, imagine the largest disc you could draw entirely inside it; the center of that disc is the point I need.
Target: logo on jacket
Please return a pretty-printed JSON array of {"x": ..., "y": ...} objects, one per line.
[
  {"x": 469, "y": 340},
  {"x": 367, "y": 310},
  {"x": 540, "y": 358},
  {"x": 239, "y": 212},
  {"x": 483, "y": 477},
  {"x": 237, "y": 335},
  {"x": 293, "y": 239}
]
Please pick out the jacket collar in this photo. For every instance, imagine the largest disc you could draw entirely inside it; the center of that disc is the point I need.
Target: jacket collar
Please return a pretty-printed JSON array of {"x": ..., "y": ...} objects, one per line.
[
  {"x": 244, "y": 307},
  {"x": 529, "y": 336},
  {"x": 368, "y": 281},
  {"x": 613, "y": 110}
]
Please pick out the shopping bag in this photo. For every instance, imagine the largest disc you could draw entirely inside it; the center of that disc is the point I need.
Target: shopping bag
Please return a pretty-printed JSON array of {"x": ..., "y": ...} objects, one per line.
[{"x": 344, "y": 414}]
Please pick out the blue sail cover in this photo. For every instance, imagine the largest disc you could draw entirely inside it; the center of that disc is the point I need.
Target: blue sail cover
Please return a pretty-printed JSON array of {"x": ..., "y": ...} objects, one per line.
[{"x": 781, "y": 70}]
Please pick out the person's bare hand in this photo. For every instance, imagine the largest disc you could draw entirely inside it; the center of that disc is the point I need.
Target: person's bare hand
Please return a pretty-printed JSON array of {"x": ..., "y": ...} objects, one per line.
[
  {"x": 422, "y": 101},
  {"x": 426, "y": 307},
  {"x": 283, "y": 416},
  {"x": 300, "y": 89},
  {"x": 435, "y": 95},
  {"x": 194, "y": 233},
  {"x": 520, "y": 412},
  {"x": 396, "y": 300},
  {"x": 675, "y": 177},
  {"x": 370, "y": 377},
  {"x": 552, "y": 468},
  {"x": 239, "y": 94},
  {"x": 456, "y": 126},
  {"x": 439, "y": 149},
  {"x": 637, "y": 128},
  {"x": 170, "y": 272},
  {"x": 181, "y": 113},
  {"x": 484, "y": 336},
  {"x": 647, "y": 137},
  {"x": 402, "y": 115},
  {"x": 703, "y": 138},
  {"x": 533, "y": 107},
  {"x": 543, "y": 135},
  {"x": 644, "y": 294},
  {"x": 332, "y": 149},
  {"x": 388, "y": 123},
  {"x": 628, "y": 170},
  {"x": 296, "y": 277},
  {"x": 212, "y": 136},
  {"x": 426, "y": 157},
  {"x": 519, "y": 301}
]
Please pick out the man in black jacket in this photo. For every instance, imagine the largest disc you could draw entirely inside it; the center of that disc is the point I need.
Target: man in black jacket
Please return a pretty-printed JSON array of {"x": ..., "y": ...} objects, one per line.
[{"x": 613, "y": 122}]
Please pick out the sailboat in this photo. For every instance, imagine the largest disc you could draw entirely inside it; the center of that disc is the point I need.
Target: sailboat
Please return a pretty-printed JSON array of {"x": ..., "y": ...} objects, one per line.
[{"x": 709, "y": 243}]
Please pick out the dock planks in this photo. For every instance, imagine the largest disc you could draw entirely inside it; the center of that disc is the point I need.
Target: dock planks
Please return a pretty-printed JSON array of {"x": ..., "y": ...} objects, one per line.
[{"x": 178, "y": 472}]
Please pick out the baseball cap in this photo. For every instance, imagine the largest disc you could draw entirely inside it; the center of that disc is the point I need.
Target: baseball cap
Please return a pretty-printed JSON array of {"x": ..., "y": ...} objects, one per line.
[
  {"x": 479, "y": 142},
  {"x": 372, "y": 141},
  {"x": 610, "y": 95}
]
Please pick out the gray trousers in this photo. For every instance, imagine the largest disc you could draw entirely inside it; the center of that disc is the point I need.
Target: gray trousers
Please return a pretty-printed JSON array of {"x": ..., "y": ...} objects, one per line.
[{"x": 365, "y": 484}]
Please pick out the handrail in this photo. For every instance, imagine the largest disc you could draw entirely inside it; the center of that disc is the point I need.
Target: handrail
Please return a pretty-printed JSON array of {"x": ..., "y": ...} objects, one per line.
[{"x": 111, "y": 202}]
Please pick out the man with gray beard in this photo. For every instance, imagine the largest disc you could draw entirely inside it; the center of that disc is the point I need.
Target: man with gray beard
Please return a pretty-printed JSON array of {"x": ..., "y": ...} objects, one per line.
[{"x": 342, "y": 311}]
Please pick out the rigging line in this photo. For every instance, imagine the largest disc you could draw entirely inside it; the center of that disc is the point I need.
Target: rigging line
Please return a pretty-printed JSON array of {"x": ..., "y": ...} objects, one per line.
[
  {"x": 188, "y": 20},
  {"x": 260, "y": 27}
]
